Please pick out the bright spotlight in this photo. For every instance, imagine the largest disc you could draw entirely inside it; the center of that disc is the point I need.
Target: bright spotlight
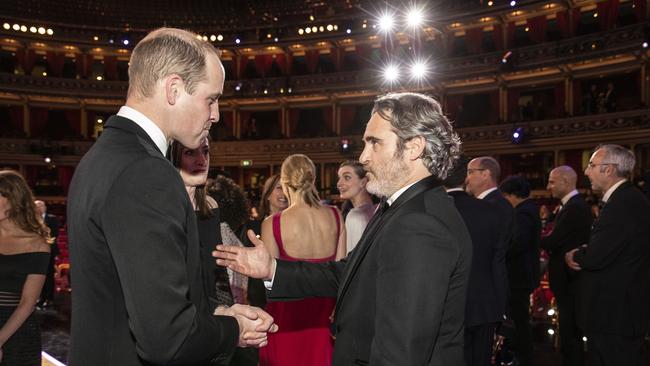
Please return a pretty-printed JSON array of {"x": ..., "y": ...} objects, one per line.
[
  {"x": 213, "y": 38},
  {"x": 220, "y": 38},
  {"x": 41, "y": 30},
  {"x": 23, "y": 28},
  {"x": 330, "y": 27},
  {"x": 125, "y": 42},
  {"x": 414, "y": 18},
  {"x": 16, "y": 27},
  {"x": 418, "y": 70},
  {"x": 47, "y": 159},
  {"x": 301, "y": 31},
  {"x": 386, "y": 22},
  {"x": 32, "y": 29},
  {"x": 584, "y": 339},
  {"x": 50, "y": 32},
  {"x": 348, "y": 31},
  {"x": 644, "y": 45},
  {"x": 307, "y": 30},
  {"x": 6, "y": 26},
  {"x": 513, "y": 3},
  {"x": 551, "y": 312},
  {"x": 237, "y": 40},
  {"x": 391, "y": 73},
  {"x": 550, "y": 331}
]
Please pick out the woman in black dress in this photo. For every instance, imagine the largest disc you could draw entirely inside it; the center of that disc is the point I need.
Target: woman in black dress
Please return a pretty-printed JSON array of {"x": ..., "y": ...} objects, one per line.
[{"x": 24, "y": 257}]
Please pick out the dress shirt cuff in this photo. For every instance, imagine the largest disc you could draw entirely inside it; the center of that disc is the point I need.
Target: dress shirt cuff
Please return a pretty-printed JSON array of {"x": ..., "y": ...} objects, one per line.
[{"x": 269, "y": 283}]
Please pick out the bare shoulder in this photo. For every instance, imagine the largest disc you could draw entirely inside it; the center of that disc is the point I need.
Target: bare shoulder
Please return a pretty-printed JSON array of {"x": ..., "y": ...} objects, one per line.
[
  {"x": 39, "y": 244},
  {"x": 211, "y": 202},
  {"x": 24, "y": 243}
]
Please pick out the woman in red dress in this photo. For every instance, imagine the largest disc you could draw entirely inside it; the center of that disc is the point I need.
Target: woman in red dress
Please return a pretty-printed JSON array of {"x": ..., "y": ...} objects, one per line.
[{"x": 305, "y": 231}]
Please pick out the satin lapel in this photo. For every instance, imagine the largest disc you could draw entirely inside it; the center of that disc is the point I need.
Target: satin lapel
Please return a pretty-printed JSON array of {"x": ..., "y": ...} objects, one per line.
[{"x": 374, "y": 227}]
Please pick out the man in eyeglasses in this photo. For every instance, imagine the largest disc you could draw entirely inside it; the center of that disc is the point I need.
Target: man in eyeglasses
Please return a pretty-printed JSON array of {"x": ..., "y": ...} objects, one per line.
[{"x": 613, "y": 298}]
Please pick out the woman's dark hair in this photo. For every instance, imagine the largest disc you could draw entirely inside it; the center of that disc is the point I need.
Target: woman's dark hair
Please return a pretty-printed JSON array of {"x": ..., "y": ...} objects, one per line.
[
  {"x": 269, "y": 187},
  {"x": 14, "y": 188},
  {"x": 516, "y": 185},
  {"x": 203, "y": 208},
  {"x": 231, "y": 200},
  {"x": 356, "y": 166}
]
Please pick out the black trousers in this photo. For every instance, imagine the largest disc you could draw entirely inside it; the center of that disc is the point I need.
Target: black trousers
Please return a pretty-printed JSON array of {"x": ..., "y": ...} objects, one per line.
[
  {"x": 519, "y": 313},
  {"x": 478, "y": 344},
  {"x": 571, "y": 343},
  {"x": 615, "y": 350}
]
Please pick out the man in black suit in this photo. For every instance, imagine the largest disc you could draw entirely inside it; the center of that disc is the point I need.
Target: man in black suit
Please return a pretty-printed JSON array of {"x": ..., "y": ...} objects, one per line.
[
  {"x": 138, "y": 297},
  {"x": 613, "y": 299},
  {"x": 52, "y": 222},
  {"x": 522, "y": 263},
  {"x": 483, "y": 174},
  {"x": 570, "y": 230},
  {"x": 401, "y": 292},
  {"x": 486, "y": 292}
]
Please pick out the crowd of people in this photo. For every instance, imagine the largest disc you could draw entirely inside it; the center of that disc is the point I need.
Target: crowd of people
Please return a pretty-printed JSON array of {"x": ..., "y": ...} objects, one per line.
[{"x": 169, "y": 269}]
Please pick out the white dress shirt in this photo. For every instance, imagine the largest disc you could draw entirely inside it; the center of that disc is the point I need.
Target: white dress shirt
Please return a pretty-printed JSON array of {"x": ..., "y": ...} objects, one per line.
[
  {"x": 486, "y": 192},
  {"x": 149, "y": 126}
]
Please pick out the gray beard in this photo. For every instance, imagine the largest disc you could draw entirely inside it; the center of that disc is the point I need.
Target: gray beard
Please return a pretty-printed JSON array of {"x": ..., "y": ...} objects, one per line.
[{"x": 391, "y": 180}]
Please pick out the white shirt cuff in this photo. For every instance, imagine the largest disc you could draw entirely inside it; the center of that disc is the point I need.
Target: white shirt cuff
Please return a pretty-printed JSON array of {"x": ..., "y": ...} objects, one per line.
[{"x": 269, "y": 283}]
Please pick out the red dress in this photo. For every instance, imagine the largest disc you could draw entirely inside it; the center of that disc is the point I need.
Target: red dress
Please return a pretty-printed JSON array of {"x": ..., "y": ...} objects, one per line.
[{"x": 304, "y": 335}]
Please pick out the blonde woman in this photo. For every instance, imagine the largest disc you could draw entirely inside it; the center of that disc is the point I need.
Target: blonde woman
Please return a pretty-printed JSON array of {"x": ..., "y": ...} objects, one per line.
[{"x": 305, "y": 231}]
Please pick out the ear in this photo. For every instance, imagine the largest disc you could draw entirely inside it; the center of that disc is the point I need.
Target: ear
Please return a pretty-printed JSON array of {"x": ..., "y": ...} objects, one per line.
[
  {"x": 173, "y": 87},
  {"x": 364, "y": 181},
  {"x": 415, "y": 147}
]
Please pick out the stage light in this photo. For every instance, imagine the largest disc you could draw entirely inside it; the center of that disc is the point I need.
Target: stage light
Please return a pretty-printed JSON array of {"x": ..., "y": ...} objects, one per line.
[
  {"x": 99, "y": 78},
  {"x": 490, "y": 3},
  {"x": 418, "y": 70},
  {"x": 311, "y": 18},
  {"x": 550, "y": 312},
  {"x": 47, "y": 159},
  {"x": 307, "y": 30},
  {"x": 205, "y": 38},
  {"x": 550, "y": 331},
  {"x": 386, "y": 22},
  {"x": 314, "y": 29},
  {"x": 330, "y": 27},
  {"x": 32, "y": 29},
  {"x": 414, "y": 18},
  {"x": 23, "y": 28},
  {"x": 50, "y": 31},
  {"x": 344, "y": 145},
  {"x": 644, "y": 44},
  {"x": 276, "y": 39},
  {"x": 213, "y": 38},
  {"x": 517, "y": 135},
  {"x": 126, "y": 41},
  {"x": 513, "y": 3},
  {"x": 238, "y": 87},
  {"x": 100, "y": 121},
  {"x": 237, "y": 40},
  {"x": 336, "y": 27},
  {"x": 41, "y": 30},
  {"x": 95, "y": 38},
  {"x": 266, "y": 91},
  {"x": 321, "y": 29},
  {"x": 16, "y": 27},
  {"x": 44, "y": 73},
  {"x": 6, "y": 26},
  {"x": 220, "y": 38},
  {"x": 391, "y": 73},
  {"x": 584, "y": 339},
  {"x": 348, "y": 31},
  {"x": 595, "y": 15},
  {"x": 269, "y": 35},
  {"x": 289, "y": 91}
]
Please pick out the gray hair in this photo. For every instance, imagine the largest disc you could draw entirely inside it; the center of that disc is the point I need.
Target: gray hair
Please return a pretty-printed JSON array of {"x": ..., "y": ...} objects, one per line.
[
  {"x": 412, "y": 115},
  {"x": 491, "y": 165},
  {"x": 620, "y": 158}
]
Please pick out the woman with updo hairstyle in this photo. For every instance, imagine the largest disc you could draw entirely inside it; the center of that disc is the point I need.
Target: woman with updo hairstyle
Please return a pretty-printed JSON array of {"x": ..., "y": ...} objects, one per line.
[
  {"x": 306, "y": 231},
  {"x": 24, "y": 258}
]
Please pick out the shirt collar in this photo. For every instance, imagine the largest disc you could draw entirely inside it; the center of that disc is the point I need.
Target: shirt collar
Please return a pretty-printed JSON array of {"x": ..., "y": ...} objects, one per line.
[
  {"x": 147, "y": 125},
  {"x": 568, "y": 196},
  {"x": 612, "y": 189},
  {"x": 458, "y": 189},
  {"x": 486, "y": 192},
  {"x": 398, "y": 193}
]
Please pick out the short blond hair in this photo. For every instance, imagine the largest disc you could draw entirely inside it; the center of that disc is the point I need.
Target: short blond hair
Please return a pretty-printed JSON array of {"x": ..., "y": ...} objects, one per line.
[{"x": 167, "y": 51}]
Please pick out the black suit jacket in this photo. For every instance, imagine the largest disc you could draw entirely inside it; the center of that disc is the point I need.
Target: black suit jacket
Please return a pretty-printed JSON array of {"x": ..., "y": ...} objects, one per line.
[
  {"x": 570, "y": 230},
  {"x": 507, "y": 230},
  {"x": 487, "y": 290},
  {"x": 522, "y": 259},
  {"x": 138, "y": 297},
  {"x": 401, "y": 293},
  {"x": 614, "y": 284}
]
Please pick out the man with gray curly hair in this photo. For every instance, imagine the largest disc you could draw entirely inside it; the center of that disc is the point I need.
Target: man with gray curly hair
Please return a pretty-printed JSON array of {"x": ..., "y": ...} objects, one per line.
[
  {"x": 401, "y": 291},
  {"x": 613, "y": 288}
]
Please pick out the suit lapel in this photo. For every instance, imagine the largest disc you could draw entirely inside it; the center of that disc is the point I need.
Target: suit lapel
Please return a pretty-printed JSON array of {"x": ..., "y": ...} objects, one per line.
[{"x": 374, "y": 227}]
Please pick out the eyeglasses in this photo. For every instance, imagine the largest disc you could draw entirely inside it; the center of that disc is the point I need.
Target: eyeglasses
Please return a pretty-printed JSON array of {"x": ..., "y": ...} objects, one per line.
[{"x": 592, "y": 165}]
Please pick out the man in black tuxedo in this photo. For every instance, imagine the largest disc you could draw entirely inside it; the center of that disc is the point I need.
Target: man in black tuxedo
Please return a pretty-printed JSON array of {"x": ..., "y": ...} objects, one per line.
[
  {"x": 571, "y": 229},
  {"x": 401, "y": 292},
  {"x": 613, "y": 299},
  {"x": 483, "y": 174},
  {"x": 52, "y": 222},
  {"x": 522, "y": 263},
  {"x": 486, "y": 292},
  {"x": 138, "y": 297}
]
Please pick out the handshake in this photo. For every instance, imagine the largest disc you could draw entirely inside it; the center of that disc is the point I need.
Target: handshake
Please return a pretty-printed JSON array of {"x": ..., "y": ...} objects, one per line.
[{"x": 254, "y": 324}]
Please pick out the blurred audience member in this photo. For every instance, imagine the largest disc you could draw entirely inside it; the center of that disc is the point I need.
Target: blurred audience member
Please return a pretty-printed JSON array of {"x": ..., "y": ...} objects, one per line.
[
  {"x": 52, "y": 222},
  {"x": 352, "y": 186}
]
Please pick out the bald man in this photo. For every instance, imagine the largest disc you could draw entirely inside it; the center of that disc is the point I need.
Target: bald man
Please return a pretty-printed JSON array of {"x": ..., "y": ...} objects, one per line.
[{"x": 570, "y": 230}]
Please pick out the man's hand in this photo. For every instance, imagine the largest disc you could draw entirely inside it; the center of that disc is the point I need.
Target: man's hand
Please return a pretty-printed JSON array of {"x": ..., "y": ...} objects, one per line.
[
  {"x": 254, "y": 324},
  {"x": 568, "y": 258},
  {"x": 254, "y": 262}
]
